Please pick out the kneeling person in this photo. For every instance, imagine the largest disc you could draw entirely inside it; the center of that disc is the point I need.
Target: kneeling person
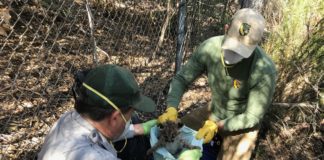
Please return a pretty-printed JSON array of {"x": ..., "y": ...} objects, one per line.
[{"x": 105, "y": 97}]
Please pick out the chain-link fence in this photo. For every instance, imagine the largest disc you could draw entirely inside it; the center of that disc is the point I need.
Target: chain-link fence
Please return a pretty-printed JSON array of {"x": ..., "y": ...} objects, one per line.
[{"x": 43, "y": 42}]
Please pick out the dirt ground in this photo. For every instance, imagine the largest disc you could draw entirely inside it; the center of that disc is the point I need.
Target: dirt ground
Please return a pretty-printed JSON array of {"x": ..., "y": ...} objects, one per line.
[{"x": 50, "y": 41}]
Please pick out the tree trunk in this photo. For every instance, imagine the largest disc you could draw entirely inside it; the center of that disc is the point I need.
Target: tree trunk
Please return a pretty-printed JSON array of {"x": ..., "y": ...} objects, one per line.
[
  {"x": 164, "y": 28},
  {"x": 181, "y": 34},
  {"x": 254, "y": 4}
]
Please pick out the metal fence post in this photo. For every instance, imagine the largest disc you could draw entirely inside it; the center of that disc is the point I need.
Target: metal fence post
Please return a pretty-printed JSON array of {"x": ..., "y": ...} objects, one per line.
[{"x": 181, "y": 34}]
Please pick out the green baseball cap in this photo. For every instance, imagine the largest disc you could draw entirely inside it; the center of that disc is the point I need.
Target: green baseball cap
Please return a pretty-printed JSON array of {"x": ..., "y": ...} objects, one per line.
[{"x": 119, "y": 86}]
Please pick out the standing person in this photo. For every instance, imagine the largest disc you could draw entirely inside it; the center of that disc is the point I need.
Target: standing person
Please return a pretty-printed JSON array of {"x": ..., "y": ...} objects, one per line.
[
  {"x": 105, "y": 98},
  {"x": 242, "y": 79}
]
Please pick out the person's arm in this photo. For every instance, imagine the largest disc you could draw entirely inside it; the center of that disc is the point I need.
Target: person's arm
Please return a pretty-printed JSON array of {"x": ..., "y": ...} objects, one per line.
[
  {"x": 144, "y": 128},
  {"x": 137, "y": 129},
  {"x": 196, "y": 65},
  {"x": 187, "y": 74},
  {"x": 88, "y": 152},
  {"x": 259, "y": 100}
]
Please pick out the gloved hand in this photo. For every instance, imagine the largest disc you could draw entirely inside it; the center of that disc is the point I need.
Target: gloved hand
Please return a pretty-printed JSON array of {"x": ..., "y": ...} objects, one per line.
[
  {"x": 192, "y": 154},
  {"x": 148, "y": 125},
  {"x": 170, "y": 114},
  {"x": 207, "y": 131}
]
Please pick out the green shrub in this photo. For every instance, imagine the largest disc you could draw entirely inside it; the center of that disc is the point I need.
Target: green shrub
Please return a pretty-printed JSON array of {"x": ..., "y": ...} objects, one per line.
[{"x": 296, "y": 45}]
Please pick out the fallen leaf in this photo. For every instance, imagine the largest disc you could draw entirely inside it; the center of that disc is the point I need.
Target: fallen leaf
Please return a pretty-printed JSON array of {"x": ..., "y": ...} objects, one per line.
[{"x": 4, "y": 21}]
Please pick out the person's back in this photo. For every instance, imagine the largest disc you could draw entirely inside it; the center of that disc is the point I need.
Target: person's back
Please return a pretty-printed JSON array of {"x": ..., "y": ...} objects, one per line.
[{"x": 72, "y": 137}]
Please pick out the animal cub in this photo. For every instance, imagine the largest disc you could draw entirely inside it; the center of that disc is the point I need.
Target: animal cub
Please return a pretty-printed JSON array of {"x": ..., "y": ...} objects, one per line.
[{"x": 169, "y": 138}]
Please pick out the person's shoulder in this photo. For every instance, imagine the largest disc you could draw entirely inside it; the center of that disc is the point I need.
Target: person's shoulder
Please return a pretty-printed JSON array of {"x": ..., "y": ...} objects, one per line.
[
  {"x": 213, "y": 41},
  {"x": 211, "y": 45},
  {"x": 262, "y": 69},
  {"x": 66, "y": 117},
  {"x": 58, "y": 147},
  {"x": 264, "y": 62},
  {"x": 80, "y": 152}
]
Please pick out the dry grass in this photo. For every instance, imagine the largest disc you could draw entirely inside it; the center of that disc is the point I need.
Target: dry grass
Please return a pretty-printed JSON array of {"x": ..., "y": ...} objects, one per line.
[{"x": 49, "y": 41}]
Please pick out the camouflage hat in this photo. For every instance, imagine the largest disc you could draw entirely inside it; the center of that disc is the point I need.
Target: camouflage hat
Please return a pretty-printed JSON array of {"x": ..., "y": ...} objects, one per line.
[{"x": 119, "y": 86}]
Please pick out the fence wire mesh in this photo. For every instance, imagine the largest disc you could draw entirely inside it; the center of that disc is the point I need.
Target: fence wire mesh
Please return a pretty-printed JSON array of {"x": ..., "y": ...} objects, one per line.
[{"x": 43, "y": 42}]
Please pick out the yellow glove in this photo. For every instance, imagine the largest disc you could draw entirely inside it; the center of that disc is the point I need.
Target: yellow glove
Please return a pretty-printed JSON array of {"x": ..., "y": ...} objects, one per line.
[
  {"x": 170, "y": 114},
  {"x": 207, "y": 131}
]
